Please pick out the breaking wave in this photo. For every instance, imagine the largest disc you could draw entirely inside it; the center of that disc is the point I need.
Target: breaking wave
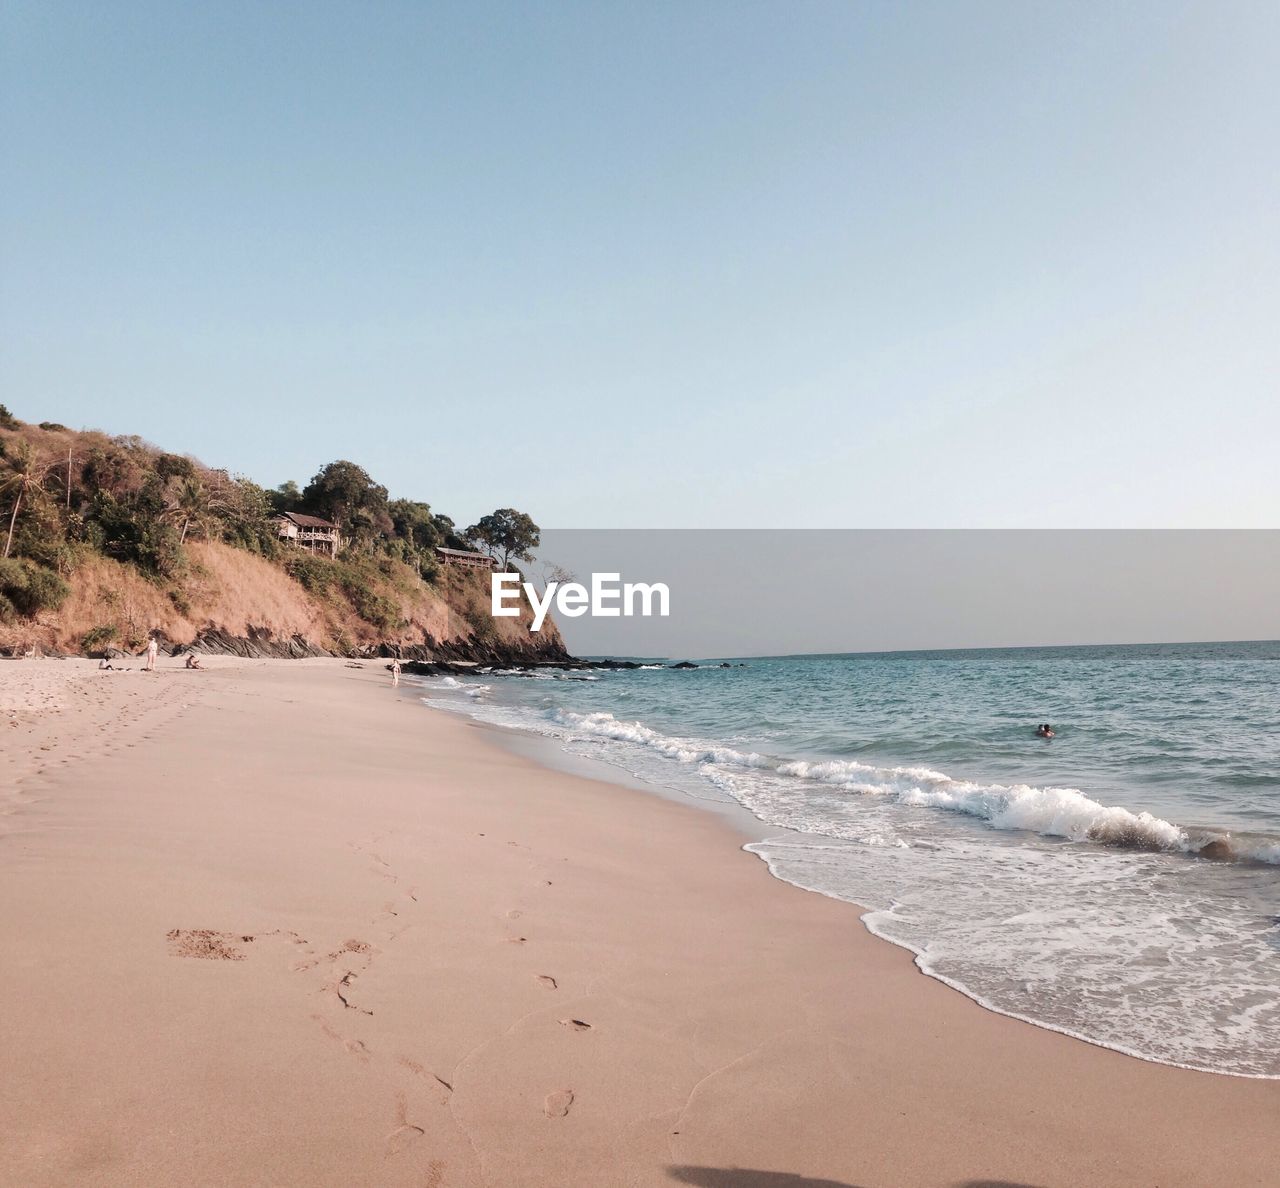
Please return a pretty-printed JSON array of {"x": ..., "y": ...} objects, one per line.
[{"x": 1050, "y": 812}]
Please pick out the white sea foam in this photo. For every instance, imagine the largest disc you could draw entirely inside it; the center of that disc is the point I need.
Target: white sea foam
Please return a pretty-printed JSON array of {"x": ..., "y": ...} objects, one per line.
[
  {"x": 1051, "y": 812},
  {"x": 1047, "y": 811},
  {"x": 605, "y": 725},
  {"x": 1072, "y": 940}
]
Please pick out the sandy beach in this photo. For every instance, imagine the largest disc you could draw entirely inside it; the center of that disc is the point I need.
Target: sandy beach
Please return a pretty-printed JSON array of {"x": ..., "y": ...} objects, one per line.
[{"x": 275, "y": 923}]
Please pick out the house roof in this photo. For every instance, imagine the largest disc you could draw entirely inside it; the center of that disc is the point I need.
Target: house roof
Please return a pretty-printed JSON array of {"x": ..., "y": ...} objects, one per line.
[
  {"x": 464, "y": 553},
  {"x": 307, "y": 521}
]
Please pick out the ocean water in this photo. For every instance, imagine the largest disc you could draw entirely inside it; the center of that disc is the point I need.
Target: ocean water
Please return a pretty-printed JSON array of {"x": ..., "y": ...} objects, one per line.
[{"x": 1119, "y": 882}]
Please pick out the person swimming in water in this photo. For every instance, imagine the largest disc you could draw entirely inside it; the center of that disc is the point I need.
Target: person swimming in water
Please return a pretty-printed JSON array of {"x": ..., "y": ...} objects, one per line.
[{"x": 1044, "y": 730}]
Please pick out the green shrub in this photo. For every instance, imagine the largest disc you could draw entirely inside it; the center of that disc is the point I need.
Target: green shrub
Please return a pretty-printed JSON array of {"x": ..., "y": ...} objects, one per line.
[
  {"x": 313, "y": 573},
  {"x": 361, "y": 581},
  {"x": 370, "y": 604},
  {"x": 98, "y": 637},
  {"x": 134, "y": 531},
  {"x": 7, "y": 419},
  {"x": 27, "y": 589}
]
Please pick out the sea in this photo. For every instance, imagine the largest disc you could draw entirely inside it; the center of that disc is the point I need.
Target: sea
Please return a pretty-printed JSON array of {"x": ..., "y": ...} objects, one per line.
[{"x": 1119, "y": 882}]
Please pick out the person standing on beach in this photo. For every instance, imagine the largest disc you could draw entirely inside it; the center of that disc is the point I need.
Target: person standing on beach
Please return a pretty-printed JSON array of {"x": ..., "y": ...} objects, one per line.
[
  {"x": 152, "y": 649},
  {"x": 395, "y": 672}
]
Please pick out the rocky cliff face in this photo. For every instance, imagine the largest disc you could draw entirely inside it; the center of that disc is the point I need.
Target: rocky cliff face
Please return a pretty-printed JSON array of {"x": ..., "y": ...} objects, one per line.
[{"x": 233, "y": 602}]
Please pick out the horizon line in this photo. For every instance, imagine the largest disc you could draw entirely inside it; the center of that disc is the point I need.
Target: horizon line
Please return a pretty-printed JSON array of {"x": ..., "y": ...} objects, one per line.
[{"x": 1165, "y": 643}]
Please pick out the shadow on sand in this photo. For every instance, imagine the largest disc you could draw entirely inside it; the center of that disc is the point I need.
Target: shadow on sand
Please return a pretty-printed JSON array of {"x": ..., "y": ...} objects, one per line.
[
  {"x": 745, "y": 1177},
  {"x": 992, "y": 1184}
]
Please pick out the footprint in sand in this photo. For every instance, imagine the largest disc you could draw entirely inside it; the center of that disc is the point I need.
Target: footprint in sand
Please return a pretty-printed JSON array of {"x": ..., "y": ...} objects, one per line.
[
  {"x": 405, "y": 1133},
  {"x": 575, "y": 1024},
  {"x": 344, "y": 984},
  {"x": 354, "y": 1046},
  {"x": 352, "y": 946},
  {"x": 402, "y": 1137},
  {"x": 557, "y": 1104},
  {"x": 206, "y": 944},
  {"x": 547, "y": 981}
]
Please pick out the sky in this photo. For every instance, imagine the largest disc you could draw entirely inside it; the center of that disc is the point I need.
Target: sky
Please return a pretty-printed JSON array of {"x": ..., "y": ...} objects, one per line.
[
  {"x": 774, "y": 592},
  {"x": 662, "y": 265}
]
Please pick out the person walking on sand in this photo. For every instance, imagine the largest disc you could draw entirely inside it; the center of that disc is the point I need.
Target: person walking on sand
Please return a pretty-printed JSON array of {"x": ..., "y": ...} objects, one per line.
[
  {"x": 395, "y": 672},
  {"x": 152, "y": 649}
]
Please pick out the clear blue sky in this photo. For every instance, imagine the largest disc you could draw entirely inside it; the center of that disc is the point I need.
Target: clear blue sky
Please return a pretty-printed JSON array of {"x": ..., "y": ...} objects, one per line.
[{"x": 663, "y": 264}]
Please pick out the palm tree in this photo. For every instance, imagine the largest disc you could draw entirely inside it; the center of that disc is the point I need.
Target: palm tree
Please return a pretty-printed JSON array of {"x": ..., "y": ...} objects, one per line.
[
  {"x": 193, "y": 505},
  {"x": 26, "y": 480}
]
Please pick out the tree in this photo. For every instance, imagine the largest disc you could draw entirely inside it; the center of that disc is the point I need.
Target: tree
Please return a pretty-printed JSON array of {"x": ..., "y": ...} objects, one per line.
[
  {"x": 169, "y": 466},
  {"x": 447, "y": 531},
  {"x": 344, "y": 493},
  {"x": 246, "y": 516},
  {"x": 414, "y": 523},
  {"x": 137, "y": 530},
  {"x": 506, "y": 534},
  {"x": 25, "y": 481},
  {"x": 556, "y": 573},
  {"x": 191, "y": 504},
  {"x": 286, "y": 497}
]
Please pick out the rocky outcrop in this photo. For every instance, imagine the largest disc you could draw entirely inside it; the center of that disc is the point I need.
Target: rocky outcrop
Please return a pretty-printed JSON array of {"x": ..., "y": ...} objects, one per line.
[
  {"x": 263, "y": 643},
  {"x": 260, "y": 643}
]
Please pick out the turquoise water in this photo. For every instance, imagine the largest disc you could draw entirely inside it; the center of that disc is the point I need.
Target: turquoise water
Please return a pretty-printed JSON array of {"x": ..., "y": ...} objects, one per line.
[{"x": 1118, "y": 882}]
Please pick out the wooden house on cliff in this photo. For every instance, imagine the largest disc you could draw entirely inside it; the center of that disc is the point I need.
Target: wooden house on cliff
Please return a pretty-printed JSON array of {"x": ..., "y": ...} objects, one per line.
[
  {"x": 465, "y": 559},
  {"x": 309, "y": 532}
]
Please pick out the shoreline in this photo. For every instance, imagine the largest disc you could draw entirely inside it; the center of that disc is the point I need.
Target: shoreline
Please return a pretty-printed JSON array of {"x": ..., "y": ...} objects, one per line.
[
  {"x": 398, "y": 927},
  {"x": 751, "y": 832}
]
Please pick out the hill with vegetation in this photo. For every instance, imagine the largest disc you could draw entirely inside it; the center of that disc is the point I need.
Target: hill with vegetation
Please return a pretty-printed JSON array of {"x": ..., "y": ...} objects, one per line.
[{"x": 105, "y": 540}]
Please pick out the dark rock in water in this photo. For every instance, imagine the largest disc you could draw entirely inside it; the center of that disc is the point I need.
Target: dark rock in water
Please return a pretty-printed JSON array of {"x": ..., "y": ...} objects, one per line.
[
  {"x": 726, "y": 664},
  {"x": 1218, "y": 850},
  {"x": 683, "y": 664},
  {"x": 539, "y": 653}
]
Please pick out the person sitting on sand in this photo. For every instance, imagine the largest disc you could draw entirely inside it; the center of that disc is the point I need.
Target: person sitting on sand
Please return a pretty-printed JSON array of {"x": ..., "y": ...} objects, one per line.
[
  {"x": 105, "y": 665},
  {"x": 1044, "y": 730},
  {"x": 193, "y": 661}
]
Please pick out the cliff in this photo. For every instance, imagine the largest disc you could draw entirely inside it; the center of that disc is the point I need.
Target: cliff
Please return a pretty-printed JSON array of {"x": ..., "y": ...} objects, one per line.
[
  {"x": 112, "y": 540},
  {"x": 230, "y": 600}
]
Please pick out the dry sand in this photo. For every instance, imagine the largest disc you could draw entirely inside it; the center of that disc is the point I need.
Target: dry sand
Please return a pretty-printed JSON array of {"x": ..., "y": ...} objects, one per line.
[{"x": 275, "y": 923}]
